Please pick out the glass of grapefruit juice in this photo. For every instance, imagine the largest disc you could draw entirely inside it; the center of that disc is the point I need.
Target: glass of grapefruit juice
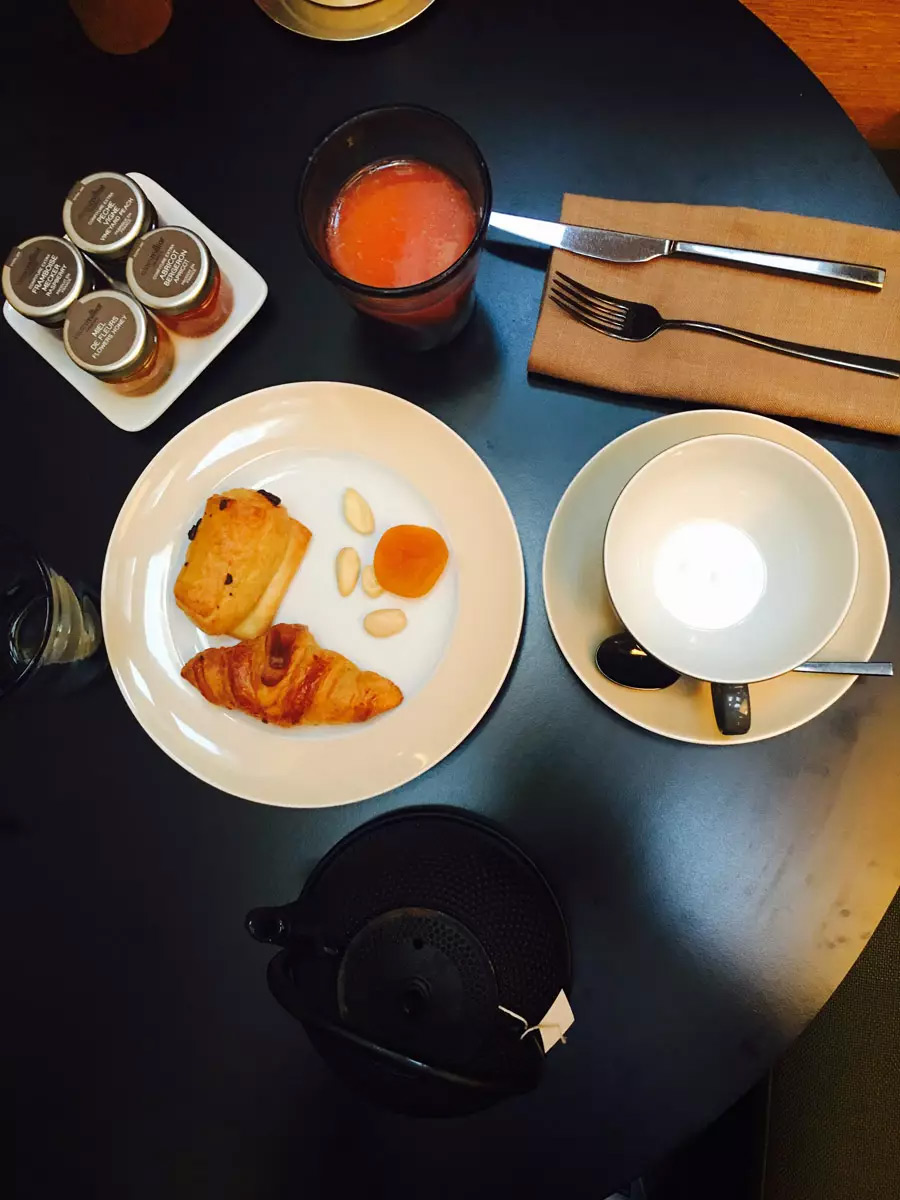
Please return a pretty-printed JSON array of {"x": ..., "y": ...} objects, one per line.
[{"x": 393, "y": 205}]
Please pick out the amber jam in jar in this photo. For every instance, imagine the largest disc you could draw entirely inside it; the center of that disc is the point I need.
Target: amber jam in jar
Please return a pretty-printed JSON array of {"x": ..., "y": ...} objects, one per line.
[
  {"x": 43, "y": 276},
  {"x": 104, "y": 215},
  {"x": 112, "y": 337},
  {"x": 173, "y": 274}
]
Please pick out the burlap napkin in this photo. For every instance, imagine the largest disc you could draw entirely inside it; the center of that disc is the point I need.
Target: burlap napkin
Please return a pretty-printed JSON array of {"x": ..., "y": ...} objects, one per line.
[{"x": 697, "y": 367}]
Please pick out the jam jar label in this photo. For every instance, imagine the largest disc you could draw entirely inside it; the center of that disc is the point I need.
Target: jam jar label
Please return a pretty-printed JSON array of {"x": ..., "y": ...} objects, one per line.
[
  {"x": 43, "y": 272},
  {"x": 101, "y": 331},
  {"x": 167, "y": 263},
  {"x": 103, "y": 210}
]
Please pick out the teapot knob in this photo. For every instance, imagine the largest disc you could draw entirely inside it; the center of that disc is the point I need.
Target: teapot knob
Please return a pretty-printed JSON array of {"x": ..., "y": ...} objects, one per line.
[{"x": 270, "y": 925}]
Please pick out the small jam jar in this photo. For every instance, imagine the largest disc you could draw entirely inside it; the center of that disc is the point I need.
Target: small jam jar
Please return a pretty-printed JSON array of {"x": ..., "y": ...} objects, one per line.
[
  {"x": 172, "y": 272},
  {"x": 113, "y": 337},
  {"x": 43, "y": 276},
  {"x": 104, "y": 215}
]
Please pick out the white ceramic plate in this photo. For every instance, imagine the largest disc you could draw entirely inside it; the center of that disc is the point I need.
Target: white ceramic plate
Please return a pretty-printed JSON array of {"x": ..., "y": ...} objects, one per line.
[
  {"x": 581, "y": 615},
  {"x": 307, "y": 442},
  {"x": 192, "y": 355}
]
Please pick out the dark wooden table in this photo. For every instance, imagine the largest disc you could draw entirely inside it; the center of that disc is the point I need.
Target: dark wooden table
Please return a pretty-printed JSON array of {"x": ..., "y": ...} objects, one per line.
[{"x": 715, "y": 898}]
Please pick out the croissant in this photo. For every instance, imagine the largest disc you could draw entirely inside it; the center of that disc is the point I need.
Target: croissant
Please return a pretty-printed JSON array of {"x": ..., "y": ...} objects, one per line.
[{"x": 284, "y": 677}]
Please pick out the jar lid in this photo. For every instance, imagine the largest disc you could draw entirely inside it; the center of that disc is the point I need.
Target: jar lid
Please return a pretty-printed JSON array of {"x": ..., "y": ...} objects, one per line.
[
  {"x": 103, "y": 213},
  {"x": 42, "y": 275},
  {"x": 108, "y": 334},
  {"x": 170, "y": 270}
]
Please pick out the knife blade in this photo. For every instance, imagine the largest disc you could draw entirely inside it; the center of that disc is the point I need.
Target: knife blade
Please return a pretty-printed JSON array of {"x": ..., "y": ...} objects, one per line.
[{"x": 611, "y": 245}]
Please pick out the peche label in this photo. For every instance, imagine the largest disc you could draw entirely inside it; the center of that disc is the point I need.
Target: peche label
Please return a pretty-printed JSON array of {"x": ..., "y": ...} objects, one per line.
[{"x": 103, "y": 211}]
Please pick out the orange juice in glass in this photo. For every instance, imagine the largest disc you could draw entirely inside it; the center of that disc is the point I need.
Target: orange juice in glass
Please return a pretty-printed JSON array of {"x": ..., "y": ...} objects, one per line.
[{"x": 394, "y": 205}]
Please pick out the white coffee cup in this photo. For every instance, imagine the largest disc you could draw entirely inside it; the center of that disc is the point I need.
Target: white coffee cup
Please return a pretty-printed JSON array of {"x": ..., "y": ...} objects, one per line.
[{"x": 731, "y": 558}]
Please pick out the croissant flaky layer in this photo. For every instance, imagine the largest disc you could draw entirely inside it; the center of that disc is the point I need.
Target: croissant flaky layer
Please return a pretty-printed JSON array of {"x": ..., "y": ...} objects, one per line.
[{"x": 284, "y": 677}]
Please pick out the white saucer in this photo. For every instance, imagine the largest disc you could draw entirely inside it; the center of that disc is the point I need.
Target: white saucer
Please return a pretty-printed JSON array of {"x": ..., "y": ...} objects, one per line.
[
  {"x": 581, "y": 615},
  {"x": 307, "y": 443}
]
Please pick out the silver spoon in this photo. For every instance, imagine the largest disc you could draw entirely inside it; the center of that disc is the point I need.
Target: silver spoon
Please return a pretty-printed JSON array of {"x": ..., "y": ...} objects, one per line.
[{"x": 624, "y": 662}]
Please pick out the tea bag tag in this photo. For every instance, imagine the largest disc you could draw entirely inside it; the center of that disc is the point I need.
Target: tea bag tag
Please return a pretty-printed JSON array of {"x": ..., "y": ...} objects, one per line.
[{"x": 558, "y": 1019}]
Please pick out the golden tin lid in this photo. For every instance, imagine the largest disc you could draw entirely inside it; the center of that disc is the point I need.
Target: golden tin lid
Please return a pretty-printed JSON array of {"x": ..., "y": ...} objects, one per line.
[
  {"x": 109, "y": 335},
  {"x": 43, "y": 275},
  {"x": 105, "y": 213},
  {"x": 170, "y": 270}
]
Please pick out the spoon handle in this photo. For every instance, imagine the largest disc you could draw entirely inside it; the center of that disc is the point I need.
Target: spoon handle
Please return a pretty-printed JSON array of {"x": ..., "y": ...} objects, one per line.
[{"x": 847, "y": 668}]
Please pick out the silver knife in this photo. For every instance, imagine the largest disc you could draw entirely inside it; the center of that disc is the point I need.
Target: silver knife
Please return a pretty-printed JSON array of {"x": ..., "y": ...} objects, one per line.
[{"x": 612, "y": 246}]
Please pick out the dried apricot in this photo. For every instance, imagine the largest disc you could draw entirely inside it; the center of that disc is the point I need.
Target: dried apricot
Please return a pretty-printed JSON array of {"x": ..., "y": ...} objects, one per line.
[{"x": 410, "y": 559}]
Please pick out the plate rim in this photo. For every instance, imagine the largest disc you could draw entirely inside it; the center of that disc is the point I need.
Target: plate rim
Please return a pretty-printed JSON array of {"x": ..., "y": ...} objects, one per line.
[
  {"x": 471, "y": 724},
  {"x": 268, "y": 10},
  {"x": 842, "y": 686}
]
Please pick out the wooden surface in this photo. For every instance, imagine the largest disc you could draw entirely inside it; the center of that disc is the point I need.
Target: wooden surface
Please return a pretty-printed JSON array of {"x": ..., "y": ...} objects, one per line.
[{"x": 854, "y": 48}]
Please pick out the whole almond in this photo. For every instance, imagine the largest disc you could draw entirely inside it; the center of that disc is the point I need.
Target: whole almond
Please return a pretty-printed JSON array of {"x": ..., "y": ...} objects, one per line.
[
  {"x": 347, "y": 570},
  {"x": 357, "y": 512},
  {"x": 385, "y": 622},
  {"x": 370, "y": 584}
]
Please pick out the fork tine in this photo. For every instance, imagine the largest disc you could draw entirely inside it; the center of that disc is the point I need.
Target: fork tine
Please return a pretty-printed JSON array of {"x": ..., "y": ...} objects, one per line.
[
  {"x": 584, "y": 296},
  {"x": 600, "y": 308},
  {"x": 591, "y": 293},
  {"x": 589, "y": 298},
  {"x": 583, "y": 316},
  {"x": 608, "y": 318},
  {"x": 579, "y": 316},
  {"x": 605, "y": 317}
]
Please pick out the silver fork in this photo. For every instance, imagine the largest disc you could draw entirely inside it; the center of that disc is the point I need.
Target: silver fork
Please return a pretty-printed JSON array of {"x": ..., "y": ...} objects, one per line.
[{"x": 632, "y": 322}]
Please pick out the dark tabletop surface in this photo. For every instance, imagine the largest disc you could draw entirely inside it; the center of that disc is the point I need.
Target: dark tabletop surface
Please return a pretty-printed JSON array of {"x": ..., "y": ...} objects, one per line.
[{"x": 715, "y": 899}]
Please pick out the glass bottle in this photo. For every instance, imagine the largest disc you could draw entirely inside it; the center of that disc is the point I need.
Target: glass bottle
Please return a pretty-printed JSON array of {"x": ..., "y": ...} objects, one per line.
[
  {"x": 104, "y": 214},
  {"x": 112, "y": 337},
  {"x": 44, "y": 275},
  {"x": 173, "y": 274}
]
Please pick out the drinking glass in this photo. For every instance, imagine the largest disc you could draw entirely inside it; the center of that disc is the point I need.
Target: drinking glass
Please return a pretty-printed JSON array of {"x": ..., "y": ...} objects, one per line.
[
  {"x": 49, "y": 628},
  {"x": 123, "y": 26},
  {"x": 424, "y": 314}
]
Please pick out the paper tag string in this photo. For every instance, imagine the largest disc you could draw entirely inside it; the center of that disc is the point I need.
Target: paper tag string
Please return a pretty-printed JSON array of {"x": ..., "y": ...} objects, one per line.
[{"x": 533, "y": 1028}]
